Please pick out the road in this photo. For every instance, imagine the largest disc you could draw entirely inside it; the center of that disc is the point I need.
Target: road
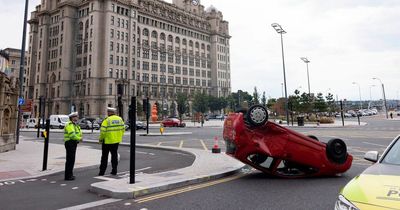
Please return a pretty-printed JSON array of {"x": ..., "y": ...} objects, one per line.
[
  {"x": 254, "y": 190},
  {"x": 249, "y": 189},
  {"x": 52, "y": 192}
]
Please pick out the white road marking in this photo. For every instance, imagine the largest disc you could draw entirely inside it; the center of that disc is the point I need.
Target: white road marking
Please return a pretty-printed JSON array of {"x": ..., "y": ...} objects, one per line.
[
  {"x": 62, "y": 185},
  {"x": 380, "y": 145},
  {"x": 93, "y": 204},
  {"x": 53, "y": 182},
  {"x": 127, "y": 204},
  {"x": 142, "y": 169},
  {"x": 104, "y": 178},
  {"x": 159, "y": 143},
  {"x": 204, "y": 145},
  {"x": 181, "y": 144},
  {"x": 44, "y": 179},
  {"x": 75, "y": 188}
]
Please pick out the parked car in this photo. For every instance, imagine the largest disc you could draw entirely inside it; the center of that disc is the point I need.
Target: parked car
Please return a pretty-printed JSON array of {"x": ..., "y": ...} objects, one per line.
[
  {"x": 279, "y": 151},
  {"x": 58, "y": 121},
  {"x": 86, "y": 123},
  {"x": 32, "y": 123},
  {"x": 173, "y": 122},
  {"x": 378, "y": 186},
  {"x": 139, "y": 125}
]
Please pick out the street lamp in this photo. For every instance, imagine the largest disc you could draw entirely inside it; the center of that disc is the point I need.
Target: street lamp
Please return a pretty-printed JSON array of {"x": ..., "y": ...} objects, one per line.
[
  {"x": 308, "y": 76},
  {"x": 21, "y": 70},
  {"x": 280, "y": 31},
  {"x": 384, "y": 95},
  {"x": 359, "y": 92}
]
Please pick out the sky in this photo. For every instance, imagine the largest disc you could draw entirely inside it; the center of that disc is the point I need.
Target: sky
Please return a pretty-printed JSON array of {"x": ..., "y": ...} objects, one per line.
[{"x": 346, "y": 41}]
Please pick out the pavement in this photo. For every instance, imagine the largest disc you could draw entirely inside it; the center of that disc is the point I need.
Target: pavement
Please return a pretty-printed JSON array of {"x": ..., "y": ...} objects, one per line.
[{"x": 26, "y": 163}]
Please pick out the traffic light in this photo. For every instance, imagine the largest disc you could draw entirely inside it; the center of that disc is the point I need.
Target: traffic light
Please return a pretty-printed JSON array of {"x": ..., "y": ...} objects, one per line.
[{"x": 145, "y": 105}]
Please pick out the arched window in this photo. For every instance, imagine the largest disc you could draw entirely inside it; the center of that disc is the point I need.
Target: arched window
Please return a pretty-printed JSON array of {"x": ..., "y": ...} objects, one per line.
[
  {"x": 208, "y": 47},
  {"x": 87, "y": 24},
  {"x": 145, "y": 32},
  {"x": 80, "y": 26},
  {"x": 162, "y": 36},
  {"x": 170, "y": 38},
  {"x": 177, "y": 40},
  {"x": 138, "y": 31},
  {"x": 154, "y": 34},
  {"x": 184, "y": 42},
  {"x": 190, "y": 43},
  {"x": 203, "y": 46},
  {"x": 197, "y": 45}
]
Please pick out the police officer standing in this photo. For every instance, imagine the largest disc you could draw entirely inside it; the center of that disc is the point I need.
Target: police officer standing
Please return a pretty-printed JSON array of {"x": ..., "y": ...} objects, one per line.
[
  {"x": 111, "y": 132},
  {"x": 72, "y": 136}
]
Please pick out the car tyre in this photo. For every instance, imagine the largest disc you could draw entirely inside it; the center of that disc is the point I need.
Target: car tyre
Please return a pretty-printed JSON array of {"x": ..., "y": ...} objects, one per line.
[
  {"x": 313, "y": 137},
  {"x": 336, "y": 151},
  {"x": 257, "y": 115}
]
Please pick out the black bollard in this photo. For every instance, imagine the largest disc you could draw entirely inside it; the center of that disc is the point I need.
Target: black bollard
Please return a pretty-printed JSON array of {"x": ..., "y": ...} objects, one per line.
[{"x": 45, "y": 134}]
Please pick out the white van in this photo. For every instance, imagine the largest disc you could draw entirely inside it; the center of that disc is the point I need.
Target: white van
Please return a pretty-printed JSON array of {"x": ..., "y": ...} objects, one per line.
[{"x": 58, "y": 121}]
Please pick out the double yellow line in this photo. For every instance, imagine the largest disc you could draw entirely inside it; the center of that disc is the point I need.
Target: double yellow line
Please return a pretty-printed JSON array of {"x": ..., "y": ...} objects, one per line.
[{"x": 188, "y": 189}]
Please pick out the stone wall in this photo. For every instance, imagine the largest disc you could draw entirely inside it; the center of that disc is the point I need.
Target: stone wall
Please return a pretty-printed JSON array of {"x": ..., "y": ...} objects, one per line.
[{"x": 8, "y": 112}]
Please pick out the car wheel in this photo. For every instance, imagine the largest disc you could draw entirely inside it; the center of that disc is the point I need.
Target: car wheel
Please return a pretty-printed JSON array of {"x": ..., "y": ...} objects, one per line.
[
  {"x": 336, "y": 151},
  {"x": 313, "y": 137},
  {"x": 257, "y": 115},
  {"x": 257, "y": 158}
]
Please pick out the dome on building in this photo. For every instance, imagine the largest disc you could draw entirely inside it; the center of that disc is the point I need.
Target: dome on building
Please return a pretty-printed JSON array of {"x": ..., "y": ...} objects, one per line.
[{"x": 211, "y": 9}]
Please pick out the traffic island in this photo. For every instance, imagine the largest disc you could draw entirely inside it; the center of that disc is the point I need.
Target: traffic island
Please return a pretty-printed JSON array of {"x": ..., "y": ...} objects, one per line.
[{"x": 206, "y": 167}]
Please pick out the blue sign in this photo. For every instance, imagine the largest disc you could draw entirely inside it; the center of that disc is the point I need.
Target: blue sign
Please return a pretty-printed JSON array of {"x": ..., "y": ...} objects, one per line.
[{"x": 21, "y": 101}]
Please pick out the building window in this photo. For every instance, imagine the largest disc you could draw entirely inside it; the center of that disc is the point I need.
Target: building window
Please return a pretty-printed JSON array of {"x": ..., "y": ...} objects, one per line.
[
  {"x": 110, "y": 87},
  {"x": 110, "y": 73}
]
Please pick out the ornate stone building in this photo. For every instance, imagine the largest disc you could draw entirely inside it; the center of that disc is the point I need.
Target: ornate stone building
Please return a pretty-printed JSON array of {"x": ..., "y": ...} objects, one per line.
[
  {"x": 84, "y": 53},
  {"x": 8, "y": 112}
]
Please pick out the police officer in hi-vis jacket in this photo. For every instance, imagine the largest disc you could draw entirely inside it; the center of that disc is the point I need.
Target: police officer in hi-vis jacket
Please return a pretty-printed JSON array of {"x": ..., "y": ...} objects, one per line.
[
  {"x": 111, "y": 132},
  {"x": 72, "y": 136}
]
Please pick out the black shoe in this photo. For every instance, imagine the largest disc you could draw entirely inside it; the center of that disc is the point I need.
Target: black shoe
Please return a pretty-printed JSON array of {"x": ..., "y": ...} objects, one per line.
[
  {"x": 70, "y": 178},
  {"x": 114, "y": 172},
  {"x": 101, "y": 173}
]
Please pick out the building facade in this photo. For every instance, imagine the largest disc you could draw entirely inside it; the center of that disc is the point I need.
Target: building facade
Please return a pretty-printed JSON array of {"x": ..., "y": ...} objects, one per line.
[{"x": 83, "y": 54}]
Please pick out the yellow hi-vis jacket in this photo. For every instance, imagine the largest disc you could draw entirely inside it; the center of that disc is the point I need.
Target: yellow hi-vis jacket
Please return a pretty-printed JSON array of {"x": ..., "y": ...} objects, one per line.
[
  {"x": 72, "y": 132},
  {"x": 112, "y": 130}
]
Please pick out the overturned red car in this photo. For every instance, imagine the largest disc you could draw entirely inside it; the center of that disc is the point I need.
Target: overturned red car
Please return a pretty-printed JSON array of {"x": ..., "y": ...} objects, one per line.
[{"x": 279, "y": 151}]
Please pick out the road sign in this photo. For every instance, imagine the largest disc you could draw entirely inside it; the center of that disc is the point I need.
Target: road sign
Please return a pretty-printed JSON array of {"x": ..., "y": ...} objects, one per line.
[{"x": 21, "y": 101}]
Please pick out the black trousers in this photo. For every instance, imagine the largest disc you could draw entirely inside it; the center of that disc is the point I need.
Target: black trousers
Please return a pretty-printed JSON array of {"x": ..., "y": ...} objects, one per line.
[
  {"x": 70, "y": 147},
  {"x": 105, "y": 149}
]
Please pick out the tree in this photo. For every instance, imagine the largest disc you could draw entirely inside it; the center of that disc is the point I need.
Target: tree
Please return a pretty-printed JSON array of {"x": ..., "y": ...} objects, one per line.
[
  {"x": 271, "y": 102},
  {"x": 320, "y": 104},
  {"x": 306, "y": 105},
  {"x": 330, "y": 102},
  {"x": 213, "y": 103},
  {"x": 241, "y": 96},
  {"x": 200, "y": 102},
  {"x": 182, "y": 104},
  {"x": 172, "y": 110},
  {"x": 263, "y": 99},
  {"x": 256, "y": 96},
  {"x": 223, "y": 102}
]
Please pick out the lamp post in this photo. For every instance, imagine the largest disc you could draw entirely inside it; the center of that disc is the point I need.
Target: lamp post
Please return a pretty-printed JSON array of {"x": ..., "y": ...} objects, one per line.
[
  {"x": 280, "y": 31},
  {"x": 21, "y": 69},
  {"x": 308, "y": 76},
  {"x": 359, "y": 92},
  {"x": 384, "y": 95}
]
